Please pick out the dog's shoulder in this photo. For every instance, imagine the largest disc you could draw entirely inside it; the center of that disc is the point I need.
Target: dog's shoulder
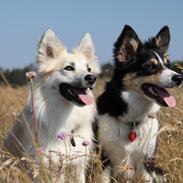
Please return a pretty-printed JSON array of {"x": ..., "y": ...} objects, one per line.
[{"x": 110, "y": 102}]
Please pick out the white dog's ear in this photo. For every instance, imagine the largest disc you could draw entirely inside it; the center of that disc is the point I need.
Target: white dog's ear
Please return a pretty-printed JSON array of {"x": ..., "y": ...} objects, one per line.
[
  {"x": 48, "y": 47},
  {"x": 86, "y": 47}
]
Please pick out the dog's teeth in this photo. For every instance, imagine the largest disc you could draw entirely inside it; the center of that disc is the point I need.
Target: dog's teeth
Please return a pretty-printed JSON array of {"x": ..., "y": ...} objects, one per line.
[
  {"x": 151, "y": 90},
  {"x": 70, "y": 92}
]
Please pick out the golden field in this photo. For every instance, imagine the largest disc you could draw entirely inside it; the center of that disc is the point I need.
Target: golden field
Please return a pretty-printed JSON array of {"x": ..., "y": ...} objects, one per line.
[{"x": 170, "y": 140}]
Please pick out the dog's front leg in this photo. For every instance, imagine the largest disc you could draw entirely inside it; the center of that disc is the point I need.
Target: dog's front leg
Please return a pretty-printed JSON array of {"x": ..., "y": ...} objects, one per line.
[
  {"x": 80, "y": 173},
  {"x": 81, "y": 144},
  {"x": 153, "y": 171}
]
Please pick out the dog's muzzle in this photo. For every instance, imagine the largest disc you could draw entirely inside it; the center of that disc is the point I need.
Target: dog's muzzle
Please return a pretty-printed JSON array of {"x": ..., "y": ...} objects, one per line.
[{"x": 177, "y": 80}]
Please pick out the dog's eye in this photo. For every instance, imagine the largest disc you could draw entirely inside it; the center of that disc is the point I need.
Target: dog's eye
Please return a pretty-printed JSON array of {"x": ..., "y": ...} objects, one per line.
[
  {"x": 152, "y": 68},
  {"x": 69, "y": 68},
  {"x": 89, "y": 69}
]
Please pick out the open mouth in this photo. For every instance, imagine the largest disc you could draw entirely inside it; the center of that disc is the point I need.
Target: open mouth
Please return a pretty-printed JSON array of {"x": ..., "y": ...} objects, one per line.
[
  {"x": 74, "y": 94},
  {"x": 161, "y": 95}
]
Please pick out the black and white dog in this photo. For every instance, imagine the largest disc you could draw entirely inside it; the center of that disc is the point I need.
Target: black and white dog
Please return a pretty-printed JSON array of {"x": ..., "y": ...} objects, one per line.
[{"x": 127, "y": 129}]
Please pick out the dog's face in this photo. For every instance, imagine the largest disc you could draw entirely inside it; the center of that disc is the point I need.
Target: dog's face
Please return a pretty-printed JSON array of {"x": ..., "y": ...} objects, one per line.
[
  {"x": 68, "y": 75},
  {"x": 144, "y": 67}
]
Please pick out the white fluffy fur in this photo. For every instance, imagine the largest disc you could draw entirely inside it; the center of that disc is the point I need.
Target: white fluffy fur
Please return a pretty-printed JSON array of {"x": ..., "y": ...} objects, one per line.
[{"x": 54, "y": 113}]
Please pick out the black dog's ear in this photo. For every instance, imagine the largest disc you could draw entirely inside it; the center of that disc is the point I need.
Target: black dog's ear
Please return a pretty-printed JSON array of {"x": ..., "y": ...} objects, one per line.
[
  {"x": 126, "y": 46},
  {"x": 163, "y": 39}
]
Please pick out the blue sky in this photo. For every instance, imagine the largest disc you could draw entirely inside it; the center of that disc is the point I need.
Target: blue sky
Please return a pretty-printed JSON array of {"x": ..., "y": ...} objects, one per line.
[{"x": 23, "y": 22}]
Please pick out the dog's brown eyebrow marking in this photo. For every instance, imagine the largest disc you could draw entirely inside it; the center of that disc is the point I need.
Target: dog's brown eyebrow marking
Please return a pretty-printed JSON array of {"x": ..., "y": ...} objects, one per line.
[
  {"x": 165, "y": 61},
  {"x": 154, "y": 61}
]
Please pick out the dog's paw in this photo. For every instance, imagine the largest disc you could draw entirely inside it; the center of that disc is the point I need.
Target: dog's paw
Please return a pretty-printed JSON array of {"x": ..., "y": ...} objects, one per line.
[{"x": 159, "y": 178}]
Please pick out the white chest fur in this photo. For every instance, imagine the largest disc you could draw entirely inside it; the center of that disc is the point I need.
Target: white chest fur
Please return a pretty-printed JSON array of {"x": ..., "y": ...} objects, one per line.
[{"x": 57, "y": 115}]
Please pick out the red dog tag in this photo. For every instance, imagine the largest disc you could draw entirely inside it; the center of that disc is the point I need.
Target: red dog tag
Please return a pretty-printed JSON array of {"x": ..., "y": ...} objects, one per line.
[{"x": 132, "y": 136}]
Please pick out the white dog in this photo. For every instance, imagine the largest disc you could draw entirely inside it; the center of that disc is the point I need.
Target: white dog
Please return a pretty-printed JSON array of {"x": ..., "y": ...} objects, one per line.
[{"x": 64, "y": 103}]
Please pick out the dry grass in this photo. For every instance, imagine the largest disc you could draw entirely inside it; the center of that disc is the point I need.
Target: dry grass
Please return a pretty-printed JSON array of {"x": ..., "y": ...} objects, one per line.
[{"x": 170, "y": 143}]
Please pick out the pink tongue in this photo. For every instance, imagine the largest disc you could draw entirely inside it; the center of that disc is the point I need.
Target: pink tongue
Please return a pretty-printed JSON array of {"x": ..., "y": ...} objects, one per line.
[
  {"x": 87, "y": 99},
  {"x": 169, "y": 99}
]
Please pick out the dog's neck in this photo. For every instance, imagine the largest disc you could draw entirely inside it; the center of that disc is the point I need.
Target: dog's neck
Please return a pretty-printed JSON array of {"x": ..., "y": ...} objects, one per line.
[
  {"x": 49, "y": 106},
  {"x": 55, "y": 112},
  {"x": 138, "y": 107}
]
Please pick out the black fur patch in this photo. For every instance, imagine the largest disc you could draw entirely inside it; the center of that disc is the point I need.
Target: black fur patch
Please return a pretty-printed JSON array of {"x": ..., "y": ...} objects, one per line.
[
  {"x": 105, "y": 160},
  {"x": 111, "y": 102},
  {"x": 151, "y": 167},
  {"x": 95, "y": 131}
]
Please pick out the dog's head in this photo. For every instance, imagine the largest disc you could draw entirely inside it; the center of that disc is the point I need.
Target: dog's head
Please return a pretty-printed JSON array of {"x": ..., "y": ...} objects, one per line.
[
  {"x": 144, "y": 67},
  {"x": 69, "y": 75}
]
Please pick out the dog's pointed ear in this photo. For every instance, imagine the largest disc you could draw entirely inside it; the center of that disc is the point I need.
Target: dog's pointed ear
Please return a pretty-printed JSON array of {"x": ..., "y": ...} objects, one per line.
[
  {"x": 86, "y": 47},
  {"x": 126, "y": 46},
  {"x": 48, "y": 47},
  {"x": 162, "y": 39}
]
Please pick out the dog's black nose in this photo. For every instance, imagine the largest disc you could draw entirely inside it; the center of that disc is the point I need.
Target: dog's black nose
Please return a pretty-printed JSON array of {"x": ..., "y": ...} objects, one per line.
[
  {"x": 177, "y": 79},
  {"x": 90, "y": 78}
]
